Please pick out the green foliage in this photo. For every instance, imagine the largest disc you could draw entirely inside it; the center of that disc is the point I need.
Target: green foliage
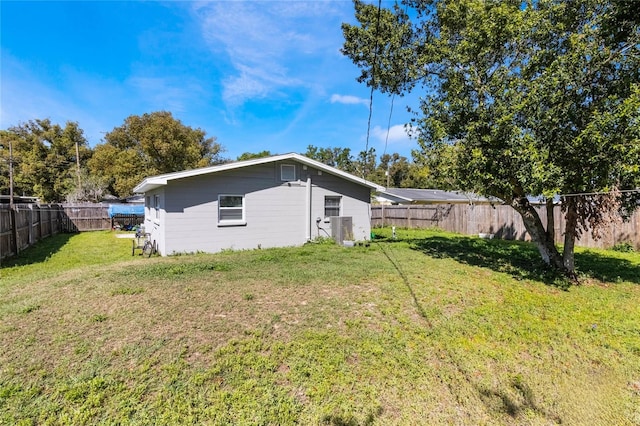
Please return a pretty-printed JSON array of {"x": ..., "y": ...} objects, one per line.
[
  {"x": 623, "y": 247},
  {"x": 148, "y": 145},
  {"x": 393, "y": 170},
  {"x": 44, "y": 158},
  {"x": 533, "y": 98},
  {"x": 88, "y": 188},
  {"x": 252, "y": 155},
  {"x": 99, "y": 318},
  {"x": 339, "y": 158}
]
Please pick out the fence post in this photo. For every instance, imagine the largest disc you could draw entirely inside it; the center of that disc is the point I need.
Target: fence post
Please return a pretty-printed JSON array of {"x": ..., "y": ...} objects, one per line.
[
  {"x": 50, "y": 220},
  {"x": 31, "y": 233},
  {"x": 14, "y": 230}
]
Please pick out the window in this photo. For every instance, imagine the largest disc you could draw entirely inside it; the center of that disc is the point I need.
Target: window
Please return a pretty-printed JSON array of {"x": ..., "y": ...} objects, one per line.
[
  {"x": 287, "y": 172},
  {"x": 332, "y": 206},
  {"x": 156, "y": 204},
  {"x": 231, "y": 210}
]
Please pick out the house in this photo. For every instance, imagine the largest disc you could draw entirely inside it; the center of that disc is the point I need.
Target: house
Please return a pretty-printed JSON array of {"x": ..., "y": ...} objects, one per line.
[
  {"x": 278, "y": 201},
  {"x": 395, "y": 196}
]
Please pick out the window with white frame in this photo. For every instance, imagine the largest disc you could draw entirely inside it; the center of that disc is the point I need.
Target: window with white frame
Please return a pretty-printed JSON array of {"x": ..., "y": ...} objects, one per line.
[
  {"x": 287, "y": 172},
  {"x": 231, "y": 209},
  {"x": 332, "y": 205},
  {"x": 156, "y": 205}
]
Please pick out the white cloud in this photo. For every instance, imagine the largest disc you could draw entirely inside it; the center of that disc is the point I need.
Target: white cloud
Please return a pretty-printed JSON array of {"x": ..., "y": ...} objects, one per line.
[
  {"x": 348, "y": 100},
  {"x": 271, "y": 46},
  {"x": 396, "y": 134}
]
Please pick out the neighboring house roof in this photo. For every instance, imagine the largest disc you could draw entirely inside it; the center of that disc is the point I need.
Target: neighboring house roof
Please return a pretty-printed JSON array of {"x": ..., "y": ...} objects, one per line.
[
  {"x": 19, "y": 199},
  {"x": 154, "y": 182},
  {"x": 426, "y": 196}
]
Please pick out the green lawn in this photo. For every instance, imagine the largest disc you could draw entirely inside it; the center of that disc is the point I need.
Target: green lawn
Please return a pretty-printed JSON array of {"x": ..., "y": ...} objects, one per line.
[{"x": 431, "y": 328}]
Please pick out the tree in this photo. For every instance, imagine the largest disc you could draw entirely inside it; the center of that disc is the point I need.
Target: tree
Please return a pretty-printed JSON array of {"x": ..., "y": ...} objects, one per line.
[
  {"x": 252, "y": 155},
  {"x": 89, "y": 188},
  {"x": 520, "y": 98},
  {"x": 148, "y": 145},
  {"x": 365, "y": 164},
  {"x": 393, "y": 171},
  {"x": 339, "y": 158},
  {"x": 45, "y": 157}
]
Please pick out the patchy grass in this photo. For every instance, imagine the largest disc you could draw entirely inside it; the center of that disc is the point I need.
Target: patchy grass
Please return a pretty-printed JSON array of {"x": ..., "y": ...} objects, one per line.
[{"x": 431, "y": 328}]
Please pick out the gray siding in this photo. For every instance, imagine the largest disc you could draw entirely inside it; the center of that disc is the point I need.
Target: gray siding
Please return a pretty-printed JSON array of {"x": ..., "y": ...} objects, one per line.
[{"x": 276, "y": 212}]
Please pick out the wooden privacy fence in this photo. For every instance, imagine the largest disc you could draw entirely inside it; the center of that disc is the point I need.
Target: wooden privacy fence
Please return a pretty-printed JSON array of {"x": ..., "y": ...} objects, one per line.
[
  {"x": 27, "y": 224},
  {"x": 502, "y": 221}
]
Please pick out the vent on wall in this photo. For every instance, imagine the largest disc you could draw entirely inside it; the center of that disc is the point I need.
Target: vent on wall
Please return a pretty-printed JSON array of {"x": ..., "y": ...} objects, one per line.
[{"x": 342, "y": 228}]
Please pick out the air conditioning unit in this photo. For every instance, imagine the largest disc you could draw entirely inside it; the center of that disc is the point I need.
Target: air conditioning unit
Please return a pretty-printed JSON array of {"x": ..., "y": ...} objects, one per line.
[{"x": 342, "y": 228}]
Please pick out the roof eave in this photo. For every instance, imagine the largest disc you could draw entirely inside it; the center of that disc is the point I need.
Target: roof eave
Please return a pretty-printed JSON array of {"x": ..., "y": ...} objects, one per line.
[{"x": 154, "y": 182}]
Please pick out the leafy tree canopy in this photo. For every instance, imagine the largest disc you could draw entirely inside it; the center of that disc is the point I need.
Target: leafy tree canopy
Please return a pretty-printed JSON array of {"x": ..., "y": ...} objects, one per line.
[
  {"x": 393, "y": 170},
  {"x": 252, "y": 155},
  {"x": 520, "y": 98},
  {"x": 44, "y": 158},
  {"x": 148, "y": 145}
]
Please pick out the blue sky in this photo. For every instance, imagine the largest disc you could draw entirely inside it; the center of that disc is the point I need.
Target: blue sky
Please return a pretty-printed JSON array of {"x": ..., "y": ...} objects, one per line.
[{"x": 259, "y": 75}]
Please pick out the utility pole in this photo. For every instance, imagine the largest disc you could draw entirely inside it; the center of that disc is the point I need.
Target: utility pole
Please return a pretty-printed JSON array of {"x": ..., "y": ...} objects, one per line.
[
  {"x": 78, "y": 164},
  {"x": 12, "y": 212},
  {"x": 10, "y": 174}
]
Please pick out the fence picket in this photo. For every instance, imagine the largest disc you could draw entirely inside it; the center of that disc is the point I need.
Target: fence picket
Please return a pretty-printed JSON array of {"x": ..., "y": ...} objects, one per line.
[{"x": 502, "y": 221}]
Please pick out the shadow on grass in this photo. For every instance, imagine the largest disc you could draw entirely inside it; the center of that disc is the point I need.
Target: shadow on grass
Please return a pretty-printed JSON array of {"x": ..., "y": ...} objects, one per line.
[
  {"x": 515, "y": 407},
  {"x": 337, "y": 420},
  {"x": 407, "y": 283},
  {"x": 39, "y": 252},
  {"x": 607, "y": 268},
  {"x": 518, "y": 259},
  {"x": 522, "y": 259}
]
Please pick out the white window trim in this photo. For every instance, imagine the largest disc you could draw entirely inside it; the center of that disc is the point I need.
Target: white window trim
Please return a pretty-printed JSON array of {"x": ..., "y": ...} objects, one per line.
[
  {"x": 282, "y": 168},
  {"x": 156, "y": 207},
  {"x": 234, "y": 222},
  {"x": 327, "y": 218}
]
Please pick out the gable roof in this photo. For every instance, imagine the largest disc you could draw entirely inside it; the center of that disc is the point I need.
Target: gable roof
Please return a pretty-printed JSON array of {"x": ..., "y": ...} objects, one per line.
[
  {"x": 154, "y": 182},
  {"x": 425, "y": 196}
]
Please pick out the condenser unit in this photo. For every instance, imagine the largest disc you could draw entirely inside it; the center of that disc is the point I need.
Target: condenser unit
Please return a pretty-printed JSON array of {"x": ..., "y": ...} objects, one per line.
[{"x": 342, "y": 228}]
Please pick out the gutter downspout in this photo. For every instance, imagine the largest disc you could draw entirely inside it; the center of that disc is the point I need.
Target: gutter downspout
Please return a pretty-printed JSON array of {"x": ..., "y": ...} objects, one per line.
[{"x": 308, "y": 209}]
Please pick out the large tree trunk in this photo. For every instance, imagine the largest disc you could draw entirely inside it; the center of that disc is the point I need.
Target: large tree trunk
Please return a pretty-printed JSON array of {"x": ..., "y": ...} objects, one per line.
[
  {"x": 570, "y": 234},
  {"x": 551, "y": 223},
  {"x": 539, "y": 235}
]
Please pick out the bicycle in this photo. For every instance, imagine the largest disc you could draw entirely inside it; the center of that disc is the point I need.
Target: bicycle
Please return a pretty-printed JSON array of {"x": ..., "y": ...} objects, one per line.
[{"x": 143, "y": 242}]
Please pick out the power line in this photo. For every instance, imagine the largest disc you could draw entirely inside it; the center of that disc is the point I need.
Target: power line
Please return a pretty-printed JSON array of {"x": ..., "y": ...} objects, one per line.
[
  {"x": 373, "y": 80},
  {"x": 581, "y": 194}
]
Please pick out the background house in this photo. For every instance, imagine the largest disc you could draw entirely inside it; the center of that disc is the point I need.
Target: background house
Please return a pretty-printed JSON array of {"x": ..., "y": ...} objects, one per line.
[
  {"x": 278, "y": 201},
  {"x": 398, "y": 196}
]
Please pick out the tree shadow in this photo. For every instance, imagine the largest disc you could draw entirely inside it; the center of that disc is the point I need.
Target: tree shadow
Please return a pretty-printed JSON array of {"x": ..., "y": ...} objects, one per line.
[
  {"x": 519, "y": 259},
  {"x": 514, "y": 401},
  {"x": 39, "y": 252},
  {"x": 607, "y": 268},
  {"x": 338, "y": 420},
  {"x": 522, "y": 260}
]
